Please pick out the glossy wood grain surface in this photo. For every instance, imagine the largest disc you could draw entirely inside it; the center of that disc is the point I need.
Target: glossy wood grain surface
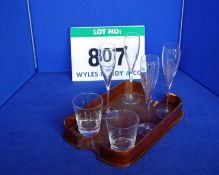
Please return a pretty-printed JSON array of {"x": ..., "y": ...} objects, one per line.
[{"x": 100, "y": 143}]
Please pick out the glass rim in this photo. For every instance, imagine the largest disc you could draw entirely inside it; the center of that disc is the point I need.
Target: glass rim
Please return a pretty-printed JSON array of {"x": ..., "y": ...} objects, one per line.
[
  {"x": 86, "y": 93},
  {"x": 133, "y": 112},
  {"x": 101, "y": 46}
]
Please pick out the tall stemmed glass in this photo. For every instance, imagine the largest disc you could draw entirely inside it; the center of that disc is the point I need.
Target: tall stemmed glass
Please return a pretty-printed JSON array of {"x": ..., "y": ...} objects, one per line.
[
  {"x": 131, "y": 49},
  {"x": 170, "y": 62},
  {"x": 149, "y": 68},
  {"x": 107, "y": 61}
]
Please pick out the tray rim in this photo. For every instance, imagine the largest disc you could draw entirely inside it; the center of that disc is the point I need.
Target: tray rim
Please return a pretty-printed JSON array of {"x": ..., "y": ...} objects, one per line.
[{"x": 147, "y": 147}]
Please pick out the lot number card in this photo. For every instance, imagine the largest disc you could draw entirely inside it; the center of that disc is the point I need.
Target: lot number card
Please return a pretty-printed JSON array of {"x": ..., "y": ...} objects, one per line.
[{"x": 84, "y": 51}]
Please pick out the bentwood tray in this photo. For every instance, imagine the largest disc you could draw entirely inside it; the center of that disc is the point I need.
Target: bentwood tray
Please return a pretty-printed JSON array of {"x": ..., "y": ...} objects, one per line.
[{"x": 100, "y": 143}]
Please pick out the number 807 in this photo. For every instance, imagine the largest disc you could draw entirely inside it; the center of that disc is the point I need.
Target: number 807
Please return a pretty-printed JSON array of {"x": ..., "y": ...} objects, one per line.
[{"x": 93, "y": 59}]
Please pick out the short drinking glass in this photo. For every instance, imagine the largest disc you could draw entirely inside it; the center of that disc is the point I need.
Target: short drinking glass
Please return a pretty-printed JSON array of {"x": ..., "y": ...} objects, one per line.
[
  {"x": 122, "y": 127},
  {"x": 88, "y": 112}
]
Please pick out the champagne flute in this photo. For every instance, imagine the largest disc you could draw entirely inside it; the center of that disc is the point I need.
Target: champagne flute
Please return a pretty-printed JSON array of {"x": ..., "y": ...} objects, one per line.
[
  {"x": 170, "y": 62},
  {"x": 131, "y": 48},
  {"x": 107, "y": 61},
  {"x": 149, "y": 69}
]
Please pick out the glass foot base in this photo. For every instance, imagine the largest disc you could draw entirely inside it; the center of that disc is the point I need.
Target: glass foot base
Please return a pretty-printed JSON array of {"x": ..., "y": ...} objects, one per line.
[
  {"x": 89, "y": 132},
  {"x": 106, "y": 112},
  {"x": 130, "y": 99},
  {"x": 104, "y": 115},
  {"x": 162, "y": 111},
  {"x": 145, "y": 128}
]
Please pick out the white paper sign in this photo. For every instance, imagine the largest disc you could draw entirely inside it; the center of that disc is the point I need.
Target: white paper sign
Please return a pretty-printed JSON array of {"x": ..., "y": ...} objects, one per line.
[{"x": 84, "y": 51}]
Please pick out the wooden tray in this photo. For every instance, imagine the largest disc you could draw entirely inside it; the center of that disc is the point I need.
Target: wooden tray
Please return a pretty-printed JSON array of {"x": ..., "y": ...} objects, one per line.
[{"x": 100, "y": 143}]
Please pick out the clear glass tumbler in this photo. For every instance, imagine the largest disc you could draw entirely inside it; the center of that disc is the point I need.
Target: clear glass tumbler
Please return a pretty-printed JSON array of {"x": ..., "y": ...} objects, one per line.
[
  {"x": 122, "y": 127},
  {"x": 88, "y": 112}
]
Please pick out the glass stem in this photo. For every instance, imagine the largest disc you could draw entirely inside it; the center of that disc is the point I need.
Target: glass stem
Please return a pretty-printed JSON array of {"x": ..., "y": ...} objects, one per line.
[
  {"x": 167, "y": 93},
  {"x": 147, "y": 109},
  {"x": 107, "y": 102},
  {"x": 130, "y": 81}
]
